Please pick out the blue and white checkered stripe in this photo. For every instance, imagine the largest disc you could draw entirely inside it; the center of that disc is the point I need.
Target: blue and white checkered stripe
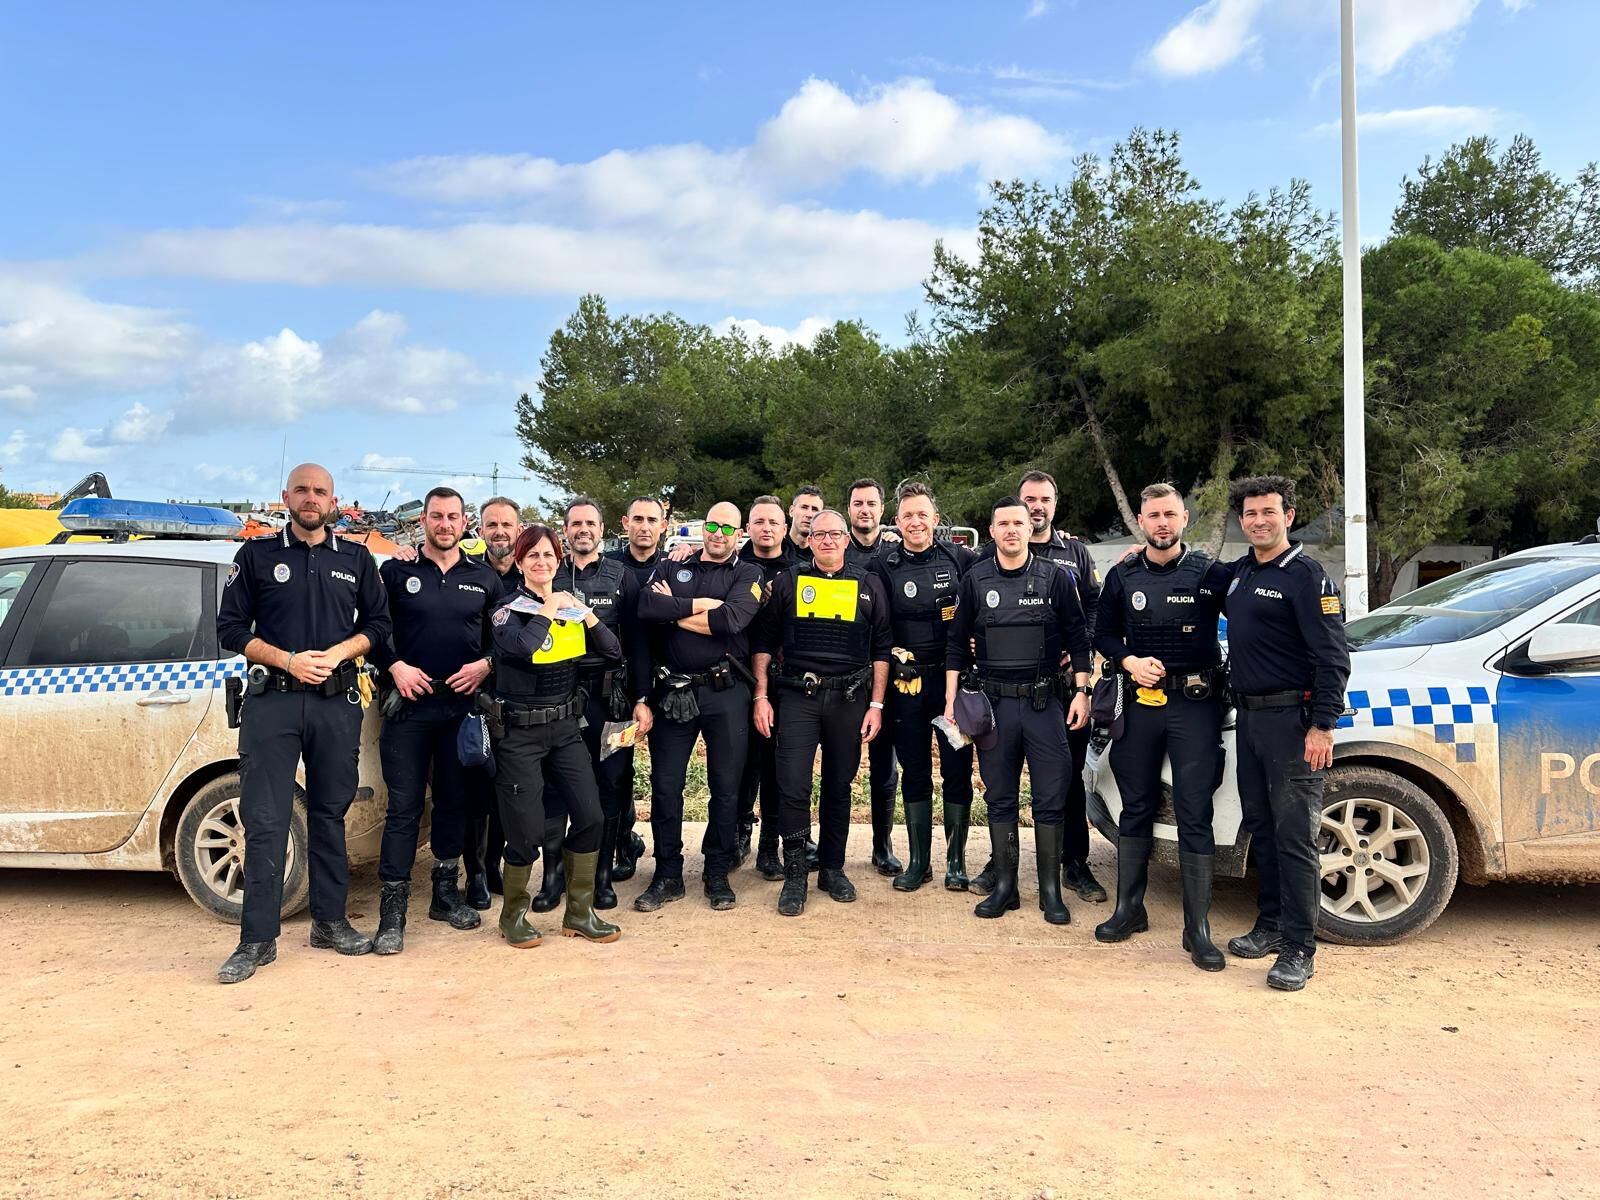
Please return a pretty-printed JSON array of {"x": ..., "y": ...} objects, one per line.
[
  {"x": 1456, "y": 715},
  {"x": 127, "y": 677}
]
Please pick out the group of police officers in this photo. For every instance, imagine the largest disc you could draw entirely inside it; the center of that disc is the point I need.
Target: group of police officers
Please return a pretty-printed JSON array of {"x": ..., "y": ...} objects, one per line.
[{"x": 819, "y": 633}]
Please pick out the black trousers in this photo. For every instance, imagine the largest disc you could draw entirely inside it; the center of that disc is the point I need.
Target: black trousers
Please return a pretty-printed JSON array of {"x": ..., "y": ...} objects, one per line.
[
  {"x": 882, "y": 780},
  {"x": 1282, "y": 801},
  {"x": 806, "y": 722},
  {"x": 613, "y": 776},
  {"x": 278, "y": 730},
  {"x": 482, "y": 807},
  {"x": 418, "y": 747},
  {"x": 521, "y": 759},
  {"x": 760, "y": 780},
  {"x": 1038, "y": 738},
  {"x": 909, "y": 723},
  {"x": 724, "y": 722},
  {"x": 1189, "y": 732},
  {"x": 1075, "y": 837}
]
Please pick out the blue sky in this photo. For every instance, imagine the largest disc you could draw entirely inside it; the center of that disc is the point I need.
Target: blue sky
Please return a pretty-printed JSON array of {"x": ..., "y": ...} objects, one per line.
[{"x": 353, "y": 227}]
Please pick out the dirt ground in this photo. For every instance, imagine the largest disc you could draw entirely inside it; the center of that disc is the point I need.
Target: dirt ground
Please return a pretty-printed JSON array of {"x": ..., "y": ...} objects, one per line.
[{"x": 895, "y": 1047}]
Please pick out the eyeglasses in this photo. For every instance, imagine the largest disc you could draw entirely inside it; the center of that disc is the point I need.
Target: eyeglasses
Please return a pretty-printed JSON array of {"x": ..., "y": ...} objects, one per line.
[
  {"x": 826, "y": 535},
  {"x": 724, "y": 530}
]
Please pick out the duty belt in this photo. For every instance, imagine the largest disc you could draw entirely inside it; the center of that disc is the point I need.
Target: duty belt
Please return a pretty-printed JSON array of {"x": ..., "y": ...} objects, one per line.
[
  {"x": 998, "y": 688},
  {"x": 520, "y": 718},
  {"x": 811, "y": 683},
  {"x": 1271, "y": 700},
  {"x": 1178, "y": 681},
  {"x": 271, "y": 679}
]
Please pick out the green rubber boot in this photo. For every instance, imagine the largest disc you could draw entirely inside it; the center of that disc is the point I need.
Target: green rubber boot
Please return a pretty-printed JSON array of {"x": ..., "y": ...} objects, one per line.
[
  {"x": 957, "y": 819},
  {"x": 514, "y": 901},
  {"x": 580, "y": 919},
  {"x": 919, "y": 834}
]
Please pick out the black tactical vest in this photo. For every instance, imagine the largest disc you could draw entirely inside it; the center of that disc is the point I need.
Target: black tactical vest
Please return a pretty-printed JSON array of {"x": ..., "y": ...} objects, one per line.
[
  {"x": 1015, "y": 626},
  {"x": 816, "y": 634},
  {"x": 550, "y": 676},
  {"x": 601, "y": 591},
  {"x": 922, "y": 598},
  {"x": 1168, "y": 616}
]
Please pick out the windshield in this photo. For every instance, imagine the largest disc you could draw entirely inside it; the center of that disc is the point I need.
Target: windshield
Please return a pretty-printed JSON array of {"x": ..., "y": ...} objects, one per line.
[{"x": 1468, "y": 603}]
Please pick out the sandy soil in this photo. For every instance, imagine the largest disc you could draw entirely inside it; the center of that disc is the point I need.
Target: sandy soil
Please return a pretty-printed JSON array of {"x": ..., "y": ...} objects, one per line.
[{"x": 895, "y": 1047}]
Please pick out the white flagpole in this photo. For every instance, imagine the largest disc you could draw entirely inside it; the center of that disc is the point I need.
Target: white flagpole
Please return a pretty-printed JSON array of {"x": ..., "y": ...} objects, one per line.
[{"x": 1355, "y": 409}]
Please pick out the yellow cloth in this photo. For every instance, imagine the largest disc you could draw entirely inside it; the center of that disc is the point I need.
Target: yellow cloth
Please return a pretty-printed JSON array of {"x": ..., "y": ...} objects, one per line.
[
  {"x": 832, "y": 599},
  {"x": 1150, "y": 697}
]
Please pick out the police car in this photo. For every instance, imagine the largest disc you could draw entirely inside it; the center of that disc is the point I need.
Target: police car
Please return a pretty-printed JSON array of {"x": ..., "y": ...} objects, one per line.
[
  {"x": 1469, "y": 747},
  {"x": 118, "y": 751}
]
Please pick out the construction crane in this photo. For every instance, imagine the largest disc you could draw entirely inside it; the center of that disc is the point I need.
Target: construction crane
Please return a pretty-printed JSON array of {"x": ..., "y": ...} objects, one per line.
[{"x": 494, "y": 474}]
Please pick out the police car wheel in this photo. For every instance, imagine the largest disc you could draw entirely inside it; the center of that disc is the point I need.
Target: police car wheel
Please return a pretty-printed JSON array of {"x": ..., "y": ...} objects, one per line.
[
  {"x": 208, "y": 849},
  {"x": 1389, "y": 858}
]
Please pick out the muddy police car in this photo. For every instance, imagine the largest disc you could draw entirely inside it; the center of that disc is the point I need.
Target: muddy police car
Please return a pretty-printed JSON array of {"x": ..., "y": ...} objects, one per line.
[
  {"x": 1470, "y": 748},
  {"x": 113, "y": 709}
]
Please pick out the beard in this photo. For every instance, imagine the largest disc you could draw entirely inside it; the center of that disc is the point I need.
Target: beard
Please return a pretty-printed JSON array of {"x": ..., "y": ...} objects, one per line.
[
  {"x": 1166, "y": 543},
  {"x": 441, "y": 541},
  {"x": 313, "y": 519},
  {"x": 499, "y": 550}
]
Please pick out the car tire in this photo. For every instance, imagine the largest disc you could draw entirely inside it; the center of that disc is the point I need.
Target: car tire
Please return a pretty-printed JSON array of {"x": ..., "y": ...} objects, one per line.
[
  {"x": 208, "y": 849},
  {"x": 1389, "y": 858}
]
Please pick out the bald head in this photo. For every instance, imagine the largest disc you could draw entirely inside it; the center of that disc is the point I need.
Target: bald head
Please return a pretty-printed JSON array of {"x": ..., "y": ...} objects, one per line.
[
  {"x": 719, "y": 544},
  {"x": 308, "y": 494}
]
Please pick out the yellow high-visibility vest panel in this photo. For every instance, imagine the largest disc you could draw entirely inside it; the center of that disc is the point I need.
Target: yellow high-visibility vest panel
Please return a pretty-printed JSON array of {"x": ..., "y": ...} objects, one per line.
[
  {"x": 566, "y": 640},
  {"x": 832, "y": 599}
]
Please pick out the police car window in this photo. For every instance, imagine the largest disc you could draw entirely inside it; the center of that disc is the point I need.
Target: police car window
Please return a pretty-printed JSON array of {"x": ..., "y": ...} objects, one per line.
[
  {"x": 1468, "y": 603},
  {"x": 106, "y": 612},
  {"x": 1589, "y": 614},
  {"x": 12, "y": 577}
]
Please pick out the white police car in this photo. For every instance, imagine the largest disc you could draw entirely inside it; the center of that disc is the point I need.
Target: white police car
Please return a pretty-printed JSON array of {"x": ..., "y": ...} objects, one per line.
[
  {"x": 118, "y": 752},
  {"x": 1470, "y": 746}
]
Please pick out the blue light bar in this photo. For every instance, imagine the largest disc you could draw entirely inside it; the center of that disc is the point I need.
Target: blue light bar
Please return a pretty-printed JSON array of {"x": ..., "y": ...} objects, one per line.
[{"x": 149, "y": 518}]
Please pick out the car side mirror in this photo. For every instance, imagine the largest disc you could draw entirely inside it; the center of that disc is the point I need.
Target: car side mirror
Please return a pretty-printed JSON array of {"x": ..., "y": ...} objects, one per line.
[{"x": 1553, "y": 645}]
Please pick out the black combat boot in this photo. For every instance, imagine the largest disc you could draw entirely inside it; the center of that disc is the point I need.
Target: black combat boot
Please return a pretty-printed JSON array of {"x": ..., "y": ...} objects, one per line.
[
  {"x": 392, "y": 902},
  {"x": 1293, "y": 968},
  {"x": 580, "y": 919},
  {"x": 956, "y": 819},
  {"x": 605, "y": 896},
  {"x": 919, "y": 841},
  {"x": 1197, "y": 875},
  {"x": 792, "y": 897},
  {"x": 717, "y": 888},
  {"x": 1133, "y": 873},
  {"x": 983, "y": 881},
  {"x": 474, "y": 851},
  {"x": 555, "y": 878},
  {"x": 769, "y": 865},
  {"x": 244, "y": 960},
  {"x": 741, "y": 845},
  {"x": 1004, "y": 898},
  {"x": 836, "y": 884},
  {"x": 514, "y": 925},
  {"x": 447, "y": 903},
  {"x": 663, "y": 889},
  {"x": 629, "y": 844},
  {"x": 1047, "y": 841},
  {"x": 1262, "y": 940},
  {"x": 339, "y": 935},
  {"x": 1076, "y": 875}
]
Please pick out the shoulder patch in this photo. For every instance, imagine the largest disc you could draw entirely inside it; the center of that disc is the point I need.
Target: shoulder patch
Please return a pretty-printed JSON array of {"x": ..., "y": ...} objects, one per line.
[
  {"x": 501, "y": 616},
  {"x": 1331, "y": 606},
  {"x": 755, "y": 590}
]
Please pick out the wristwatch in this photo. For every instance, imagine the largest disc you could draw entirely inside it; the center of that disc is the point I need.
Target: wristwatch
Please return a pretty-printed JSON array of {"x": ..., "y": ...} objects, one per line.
[{"x": 1083, "y": 689}]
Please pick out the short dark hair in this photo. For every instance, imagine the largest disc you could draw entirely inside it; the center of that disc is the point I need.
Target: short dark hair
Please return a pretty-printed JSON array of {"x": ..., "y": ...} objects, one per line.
[
  {"x": 1004, "y": 502},
  {"x": 1241, "y": 490},
  {"x": 505, "y": 500},
  {"x": 1039, "y": 477},
  {"x": 646, "y": 500},
  {"x": 807, "y": 489},
  {"x": 1160, "y": 491},
  {"x": 583, "y": 502},
  {"x": 442, "y": 493},
  {"x": 915, "y": 487},
  {"x": 864, "y": 483},
  {"x": 531, "y": 537},
  {"x": 765, "y": 500}
]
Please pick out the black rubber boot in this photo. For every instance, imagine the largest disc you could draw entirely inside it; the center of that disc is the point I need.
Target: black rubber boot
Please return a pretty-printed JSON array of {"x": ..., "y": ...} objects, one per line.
[
  {"x": 741, "y": 845},
  {"x": 1197, "y": 875},
  {"x": 555, "y": 879},
  {"x": 983, "y": 881},
  {"x": 1133, "y": 873},
  {"x": 629, "y": 845},
  {"x": 473, "y": 852},
  {"x": 580, "y": 919},
  {"x": 1261, "y": 941},
  {"x": 1076, "y": 876},
  {"x": 605, "y": 896},
  {"x": 769, "y": 865},
  {"x": 792, "y": 898},
  {"x": 514, "y": 925},
  {"x": 957, "y": 817},
  {"x": 244, "y": 960},
  {"x": 1047, "y": 841},
  {"x": 448, "y": 904},
  {"x": 1293, "y": 968},
  {"x": 1004, "y": 898},
  {"x": 919, "y": 841},
  {"x": 392, "y": 902},
  {"x": 813, "y": 855},
  {"x": 339, "y": 935},
  {"x": 883, "y": 856}
]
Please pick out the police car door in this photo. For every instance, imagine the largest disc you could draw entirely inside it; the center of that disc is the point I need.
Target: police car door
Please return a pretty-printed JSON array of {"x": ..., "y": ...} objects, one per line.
[
  {"x": 1549, "y": 717},
  {"x": 106, "y": 678}
]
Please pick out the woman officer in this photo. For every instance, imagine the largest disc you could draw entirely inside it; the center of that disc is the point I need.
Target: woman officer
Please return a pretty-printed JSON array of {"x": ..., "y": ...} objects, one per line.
[{"x": 536, "y": 679}]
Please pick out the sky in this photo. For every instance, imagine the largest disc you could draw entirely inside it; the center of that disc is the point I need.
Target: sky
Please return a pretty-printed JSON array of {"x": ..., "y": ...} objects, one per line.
[{"x": 232, "y": 235}]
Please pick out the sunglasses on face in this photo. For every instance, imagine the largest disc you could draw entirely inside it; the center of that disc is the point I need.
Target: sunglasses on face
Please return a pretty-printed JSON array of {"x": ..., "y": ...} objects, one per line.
[{"x": 724, "y": 530}]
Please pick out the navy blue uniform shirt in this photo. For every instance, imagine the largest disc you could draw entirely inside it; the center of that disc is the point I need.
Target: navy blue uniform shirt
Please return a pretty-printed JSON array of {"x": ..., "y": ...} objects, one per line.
[
  {"x": 440, "y": 617},
  {"x": 297, "y": 596},
  {"x": 735, "y": 582}
]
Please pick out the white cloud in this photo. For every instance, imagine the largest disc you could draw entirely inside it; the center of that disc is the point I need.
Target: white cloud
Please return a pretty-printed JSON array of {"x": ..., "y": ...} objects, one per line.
[
  {"x": 1434, "y": 119},
  {"x": 243, "y": 476},
  {"x": 1211, "y": 36},
  {"x": 1388, "y": 32},
  {"x": 73, "y": 445},
  {"x": 18, "y": 395},
  {"x": 1036, "y": 9},
  {"x": 386, "y": 462},
  {"x": 139, "y": 424},
  {"x": 1516, "y": 6},
  {"x": 15, "y": 446},
  {"x": 776, "y": 336}
]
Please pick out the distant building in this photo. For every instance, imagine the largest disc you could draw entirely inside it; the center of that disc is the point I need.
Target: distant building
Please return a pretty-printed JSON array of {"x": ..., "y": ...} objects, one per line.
[{"x": 41, "y": 499}]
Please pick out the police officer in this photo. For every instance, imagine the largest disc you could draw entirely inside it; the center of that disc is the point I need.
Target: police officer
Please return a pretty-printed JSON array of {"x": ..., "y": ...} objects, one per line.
[
  {"x": 644, "y": 524},
  {"x": 807, "y": 503},
  {"x": 1022, "y": 614},
  {"x": 541, "y": 635},
  {"x": 700, "y": 610},
  {"x": 921, "y": 577},
  {"x": 438, "y": 657},
  {"x": 827, "y": 624},
  {"x": 616, "y": 692},
  {"x": 1157, "y": 626},
  {"x": 301, "y": 606},
  {"x": 864, "y": 506},
  {"x": 1290, "y": 661},
  {"x": 766, "y": 549},
  {"x": 1037, "y": 491}
]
